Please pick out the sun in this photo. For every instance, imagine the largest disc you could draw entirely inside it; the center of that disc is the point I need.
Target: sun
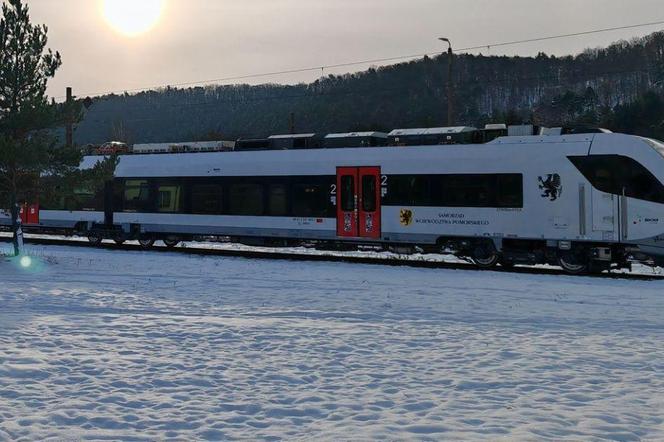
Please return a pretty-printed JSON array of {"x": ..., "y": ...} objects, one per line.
[{"x": 132, "y": 17}]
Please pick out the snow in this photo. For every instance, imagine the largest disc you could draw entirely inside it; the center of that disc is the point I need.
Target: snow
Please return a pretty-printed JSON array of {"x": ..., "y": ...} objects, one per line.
[
  {"x": 99, "y": 344},
  {"x": 390, "y": 257}
]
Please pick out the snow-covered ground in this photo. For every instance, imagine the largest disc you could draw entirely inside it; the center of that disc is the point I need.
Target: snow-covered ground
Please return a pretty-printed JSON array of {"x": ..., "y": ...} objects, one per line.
[{"x": 104, "y": 344}]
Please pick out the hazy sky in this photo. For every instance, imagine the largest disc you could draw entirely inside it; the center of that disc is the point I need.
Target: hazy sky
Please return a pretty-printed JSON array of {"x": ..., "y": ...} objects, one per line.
[{"x": 208, "y": 39}]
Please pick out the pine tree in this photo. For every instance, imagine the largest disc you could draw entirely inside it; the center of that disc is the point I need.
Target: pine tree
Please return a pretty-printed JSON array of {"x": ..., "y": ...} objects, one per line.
[{"x": 28, "y": 148}]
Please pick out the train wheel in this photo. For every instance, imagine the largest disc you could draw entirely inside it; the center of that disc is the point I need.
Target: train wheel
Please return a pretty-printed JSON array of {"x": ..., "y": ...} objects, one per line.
[
  {"x": 171, "y": 242},
  {"x": 146, "y": 242},
  {"x": 573, "y": 263},
  {"x": 95, "y": 239},
  {"x": 485, "y": 256}
]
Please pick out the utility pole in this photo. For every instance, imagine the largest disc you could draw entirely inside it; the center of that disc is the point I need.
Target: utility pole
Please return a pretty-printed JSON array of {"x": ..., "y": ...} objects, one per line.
[
  {"x": 291, "y": 123},
  {"x": 450, "y": 86},
  {"x": 69, "y": 128}
]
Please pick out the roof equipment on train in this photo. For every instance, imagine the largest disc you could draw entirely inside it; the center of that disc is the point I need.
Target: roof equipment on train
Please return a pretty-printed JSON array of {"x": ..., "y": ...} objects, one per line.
[
  {"x": 112, "y": 147},
  {"x": 522, "y": 130},
  {"x": 182, "y": 147},
  {"x": 294, "y": 141},
  {"x": 355, "y": 139},
  {"x": 572, "y": 130},
  {"x": 432, "y": 136},
  {"x": 399, "y": 137},
  {"x": 252, "y": 144}
]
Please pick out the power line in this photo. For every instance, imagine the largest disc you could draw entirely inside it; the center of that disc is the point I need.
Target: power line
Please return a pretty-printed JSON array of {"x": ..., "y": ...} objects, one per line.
[
  {"x": 554, "y": 37},
  {"x": 377, "y": 60}
]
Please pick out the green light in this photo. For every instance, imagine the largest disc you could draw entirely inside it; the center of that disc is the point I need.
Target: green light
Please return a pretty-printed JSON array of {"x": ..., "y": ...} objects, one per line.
[{"x": 25, "y": 262}]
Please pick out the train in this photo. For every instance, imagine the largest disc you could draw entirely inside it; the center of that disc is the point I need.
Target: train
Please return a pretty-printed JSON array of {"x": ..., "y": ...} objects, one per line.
[{"x": 587, "y": 202}]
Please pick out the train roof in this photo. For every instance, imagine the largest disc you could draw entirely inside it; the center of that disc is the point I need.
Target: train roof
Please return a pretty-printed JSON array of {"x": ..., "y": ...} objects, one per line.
[
  {"x": 431, "y": 131},
  {"x": 414, "y": 137},
  {"x": 317, "y": 161},
  {"x": 290, "y": 136},
  {"x": 357, "y": 135},
  {"x": 201, "y": 144}
]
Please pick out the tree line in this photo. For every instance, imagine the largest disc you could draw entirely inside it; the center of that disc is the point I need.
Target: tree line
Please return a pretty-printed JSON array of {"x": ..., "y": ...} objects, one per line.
[{"x": 595, "y": 87}]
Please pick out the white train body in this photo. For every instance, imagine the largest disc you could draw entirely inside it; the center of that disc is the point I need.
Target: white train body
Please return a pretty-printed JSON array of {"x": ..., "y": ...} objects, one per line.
[
  {"x": 579, "y": 212},
  {"x": 558, "y": 206}
]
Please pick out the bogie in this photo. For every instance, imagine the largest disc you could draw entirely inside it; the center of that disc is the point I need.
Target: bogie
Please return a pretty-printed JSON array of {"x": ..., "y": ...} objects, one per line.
[
  {"x": 574, "y": 262},
  {"x": 146, "y": 241},
  {"x": 95, "y": 239},
  {"x": 485, "y": 255},
  {"x": 171, "y": 242}
]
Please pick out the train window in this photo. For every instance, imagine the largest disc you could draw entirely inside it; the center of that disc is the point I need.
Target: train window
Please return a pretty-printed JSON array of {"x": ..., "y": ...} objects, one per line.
[
  {"x": 165, "y": 199},
  {"x": 617, "y": 174},
  {"x": 510, "y": 191},
  {"x": 169, "y": 199},
  {"x": 409, "y": 190},
  {"x": 347, "y": 193},
  {"x": 85, "y": 200},
  {"x": 400, "y": 190},
  {"x": 246, "y": 200},
  {"x": 369, "y": 193},
  {"x": 310, "y": 200},
  {"x": 72, "y": 201},
  {"x": 467, "y": 191},
  {"x": 456, "y": 190},
  {"x": 136, "y": 195},
  {"x": 420, "y": 191},
  {"x": 277, "y": 197},
  {"x": 206, "y": 199}
]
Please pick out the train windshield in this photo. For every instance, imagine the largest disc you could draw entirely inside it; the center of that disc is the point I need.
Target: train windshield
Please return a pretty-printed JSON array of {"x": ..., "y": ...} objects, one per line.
[{"x": 657, "y": 145}]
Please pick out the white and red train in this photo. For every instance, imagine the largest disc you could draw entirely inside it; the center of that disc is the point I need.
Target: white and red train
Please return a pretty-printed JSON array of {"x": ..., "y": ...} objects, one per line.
[{"x": 583, "y": 201}]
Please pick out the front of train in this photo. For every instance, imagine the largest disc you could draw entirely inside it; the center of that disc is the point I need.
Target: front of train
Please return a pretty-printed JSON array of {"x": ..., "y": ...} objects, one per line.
[
  {"x": 647, "y": 218},
  {"x": 627, "y": 197}
]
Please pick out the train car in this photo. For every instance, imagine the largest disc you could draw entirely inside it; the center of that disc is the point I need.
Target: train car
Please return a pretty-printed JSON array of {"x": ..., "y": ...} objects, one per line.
[
  {"x": 66, "y": 214},
  {"x": 583, "y": 201},
  {"x": 69, "y": 213},
  {"x": 592, "y": 201}
]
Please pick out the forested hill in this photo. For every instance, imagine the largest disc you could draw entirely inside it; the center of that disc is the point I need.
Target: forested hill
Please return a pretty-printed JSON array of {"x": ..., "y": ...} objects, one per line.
[{"x": 620, "y": 86}]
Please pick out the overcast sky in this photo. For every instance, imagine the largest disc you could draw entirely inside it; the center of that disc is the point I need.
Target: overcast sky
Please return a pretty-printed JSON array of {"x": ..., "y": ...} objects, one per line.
[{"x": 207, "y": 39}]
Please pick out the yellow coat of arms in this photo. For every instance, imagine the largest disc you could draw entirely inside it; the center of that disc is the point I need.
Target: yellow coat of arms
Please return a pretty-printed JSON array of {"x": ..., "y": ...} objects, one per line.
[{"x": 406, "y": 217}]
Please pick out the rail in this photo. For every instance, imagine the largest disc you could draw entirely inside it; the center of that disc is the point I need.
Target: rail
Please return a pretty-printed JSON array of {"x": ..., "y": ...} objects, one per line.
[{"x": 364, "y": 258}]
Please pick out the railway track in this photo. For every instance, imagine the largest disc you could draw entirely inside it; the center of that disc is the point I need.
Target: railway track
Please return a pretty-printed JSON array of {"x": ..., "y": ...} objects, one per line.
[{"x": 390, "y": 260}]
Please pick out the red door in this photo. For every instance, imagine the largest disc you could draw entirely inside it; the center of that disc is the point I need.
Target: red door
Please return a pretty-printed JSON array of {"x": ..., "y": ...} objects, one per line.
[
  {"x": 347, "y": 210},
  {"x": 33, "y": 214},
  {"x": 29, "y": 214},
  {"x": 358, "y": 202}
]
